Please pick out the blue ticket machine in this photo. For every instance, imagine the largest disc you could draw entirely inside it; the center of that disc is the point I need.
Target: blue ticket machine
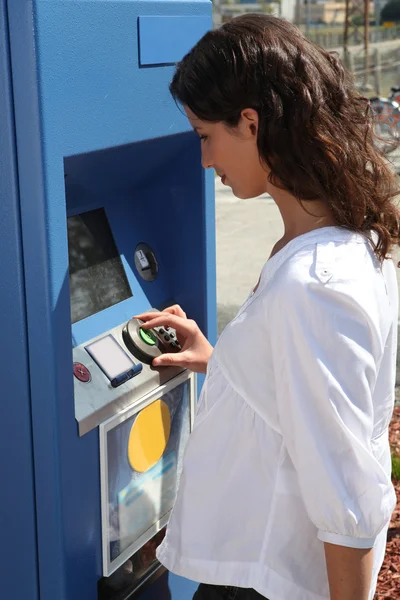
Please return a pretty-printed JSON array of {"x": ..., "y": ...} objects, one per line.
[{"x": 105, "y": 213}]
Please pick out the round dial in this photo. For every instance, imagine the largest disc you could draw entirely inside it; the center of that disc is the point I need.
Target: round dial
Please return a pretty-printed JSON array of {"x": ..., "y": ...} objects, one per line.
[{"x": 142, "y": 343}]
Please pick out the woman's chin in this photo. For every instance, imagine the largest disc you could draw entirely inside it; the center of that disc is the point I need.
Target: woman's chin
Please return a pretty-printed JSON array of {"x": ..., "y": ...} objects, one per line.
[{"x": 241, "y": 194}]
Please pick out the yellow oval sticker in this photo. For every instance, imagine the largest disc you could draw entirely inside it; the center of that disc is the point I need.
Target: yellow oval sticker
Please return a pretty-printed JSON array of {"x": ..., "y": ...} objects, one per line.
[{"x": 149, "y": 436}]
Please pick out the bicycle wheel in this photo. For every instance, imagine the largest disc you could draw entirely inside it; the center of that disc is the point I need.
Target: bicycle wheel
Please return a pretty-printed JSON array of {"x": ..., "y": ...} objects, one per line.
[
  {"x": 386, "y": 115},
  {"x": 395, "y": 94}
]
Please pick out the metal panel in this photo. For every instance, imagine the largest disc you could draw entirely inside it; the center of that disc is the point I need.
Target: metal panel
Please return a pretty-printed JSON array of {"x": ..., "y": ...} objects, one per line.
[
  {"x": 78, "y": 88},
  {"x": 165, "y": 40},
  {"x": 17, "y": 501},
  {"x": 109, "y": 566},
  {"x": 96, "y": 402}
]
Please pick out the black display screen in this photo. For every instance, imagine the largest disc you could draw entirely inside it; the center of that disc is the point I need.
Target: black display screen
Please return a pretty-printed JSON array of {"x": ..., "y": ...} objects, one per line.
[{"x": 96, "y": 275}]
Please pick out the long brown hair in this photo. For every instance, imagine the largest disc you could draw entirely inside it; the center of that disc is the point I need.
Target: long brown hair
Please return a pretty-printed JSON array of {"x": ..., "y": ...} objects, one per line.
[{"x": 315, "y": 130}]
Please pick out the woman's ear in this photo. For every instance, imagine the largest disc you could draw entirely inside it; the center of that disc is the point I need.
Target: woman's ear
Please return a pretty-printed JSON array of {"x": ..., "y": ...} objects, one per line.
[{"x": 249, "y": 122}]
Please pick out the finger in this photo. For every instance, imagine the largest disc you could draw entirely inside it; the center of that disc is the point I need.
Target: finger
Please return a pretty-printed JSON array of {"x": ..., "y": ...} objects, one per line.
[
  {"x": 183, "y": 326},
  {"x": 170, "y": 360},
  {"x": 170, "y": 310},
  {"x": 146, "y": 315},
  {"x": 176, "y": 310}
]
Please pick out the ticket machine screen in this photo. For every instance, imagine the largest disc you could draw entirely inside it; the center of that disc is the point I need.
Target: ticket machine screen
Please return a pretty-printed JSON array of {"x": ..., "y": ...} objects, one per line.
[{"x": 97, "y": 276}]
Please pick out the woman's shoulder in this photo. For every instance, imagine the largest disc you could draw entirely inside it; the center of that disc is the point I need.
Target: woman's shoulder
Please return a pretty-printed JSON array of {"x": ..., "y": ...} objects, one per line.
[
  {"x": 341, "y": 265},
  {"x": 328, "y": 257}
]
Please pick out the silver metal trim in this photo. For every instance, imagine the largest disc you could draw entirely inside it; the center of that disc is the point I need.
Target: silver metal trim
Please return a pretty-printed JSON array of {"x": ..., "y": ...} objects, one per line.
[
  {"x": 98, "y": 401},
  {"x": 109, "y": 567}
]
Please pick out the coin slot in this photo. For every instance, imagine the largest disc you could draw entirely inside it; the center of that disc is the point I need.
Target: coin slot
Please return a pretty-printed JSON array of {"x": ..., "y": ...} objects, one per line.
[{"x": 146, "y": 262}]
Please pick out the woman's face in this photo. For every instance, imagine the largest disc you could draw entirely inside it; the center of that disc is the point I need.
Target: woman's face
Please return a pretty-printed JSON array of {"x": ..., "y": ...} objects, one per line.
[{"x": 233, "y": 153}]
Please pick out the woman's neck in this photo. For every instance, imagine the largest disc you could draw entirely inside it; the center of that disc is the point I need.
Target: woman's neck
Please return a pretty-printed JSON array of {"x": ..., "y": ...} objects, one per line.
[{"x": 300, "y": 217}]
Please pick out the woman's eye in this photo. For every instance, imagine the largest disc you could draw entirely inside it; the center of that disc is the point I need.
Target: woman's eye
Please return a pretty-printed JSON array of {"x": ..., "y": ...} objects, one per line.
[{"x": 203, "y": 137}]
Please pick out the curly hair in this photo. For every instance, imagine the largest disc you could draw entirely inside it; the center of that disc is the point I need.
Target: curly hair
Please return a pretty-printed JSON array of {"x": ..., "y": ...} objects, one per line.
[{"x": 316, "y": 133}]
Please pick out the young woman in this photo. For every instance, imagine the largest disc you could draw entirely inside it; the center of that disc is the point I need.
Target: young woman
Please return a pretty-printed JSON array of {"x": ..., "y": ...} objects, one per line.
[{"x": 286, "y": 490}]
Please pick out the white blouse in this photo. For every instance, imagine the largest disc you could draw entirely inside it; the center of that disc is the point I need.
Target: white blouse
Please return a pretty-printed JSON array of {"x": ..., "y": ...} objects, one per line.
[{"x": 290, "y": 443}]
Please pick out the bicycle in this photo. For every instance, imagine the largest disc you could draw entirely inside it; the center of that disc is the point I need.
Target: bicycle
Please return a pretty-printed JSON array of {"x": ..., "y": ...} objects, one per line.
[
  {"x": 386, "y": 112},
  {"x": 395, "y": 94}
]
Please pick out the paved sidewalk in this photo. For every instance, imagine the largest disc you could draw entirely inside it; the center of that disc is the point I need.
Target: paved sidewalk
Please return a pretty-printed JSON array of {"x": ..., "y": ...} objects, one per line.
[{"x": 246, "y": 233}]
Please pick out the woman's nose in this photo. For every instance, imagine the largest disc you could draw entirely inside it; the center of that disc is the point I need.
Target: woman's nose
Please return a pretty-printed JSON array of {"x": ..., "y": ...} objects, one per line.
[{"x": 206, "y": 161}]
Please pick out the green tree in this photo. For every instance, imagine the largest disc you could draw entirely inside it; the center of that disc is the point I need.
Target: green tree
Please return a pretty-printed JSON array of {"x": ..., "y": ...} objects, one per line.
[
  {"x": 396, "y": 468},
  {"x": 358, "y": 20},
  {"x": 391, "y": 11}
]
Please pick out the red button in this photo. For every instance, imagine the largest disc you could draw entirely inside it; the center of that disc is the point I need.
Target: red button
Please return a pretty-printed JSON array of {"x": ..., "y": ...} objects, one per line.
[{"x": 82, "y": 373}]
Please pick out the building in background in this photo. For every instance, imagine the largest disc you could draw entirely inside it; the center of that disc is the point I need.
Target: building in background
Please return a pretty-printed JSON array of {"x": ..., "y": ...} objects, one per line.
[
  {"x": 225, "y": 11},
  {"x": 318, "y": 12},
  {"x": 324, "y": 12},
  {"x": 288, "y": 10}
]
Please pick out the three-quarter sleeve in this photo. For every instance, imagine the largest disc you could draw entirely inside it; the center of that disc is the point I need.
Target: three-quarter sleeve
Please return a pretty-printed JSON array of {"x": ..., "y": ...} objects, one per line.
[{"x": 326, "y": 348}]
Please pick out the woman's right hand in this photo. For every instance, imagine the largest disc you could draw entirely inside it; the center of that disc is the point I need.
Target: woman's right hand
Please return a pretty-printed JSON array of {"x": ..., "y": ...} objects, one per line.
[{"x": 196, "y": 349}]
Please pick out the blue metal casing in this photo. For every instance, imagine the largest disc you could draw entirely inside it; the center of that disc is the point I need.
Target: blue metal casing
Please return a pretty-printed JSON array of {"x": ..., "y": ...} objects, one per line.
[
  {"x": 17, "y": 498},
  {"x": 95, "y": 127}
]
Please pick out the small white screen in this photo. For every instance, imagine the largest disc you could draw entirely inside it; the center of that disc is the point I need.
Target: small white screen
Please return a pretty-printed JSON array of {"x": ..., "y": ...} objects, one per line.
[{"x": 109, "y": 356}]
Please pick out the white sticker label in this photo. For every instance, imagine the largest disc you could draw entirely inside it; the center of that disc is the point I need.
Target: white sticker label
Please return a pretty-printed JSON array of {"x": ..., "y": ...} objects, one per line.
[{"x": 142, "y": 259}]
